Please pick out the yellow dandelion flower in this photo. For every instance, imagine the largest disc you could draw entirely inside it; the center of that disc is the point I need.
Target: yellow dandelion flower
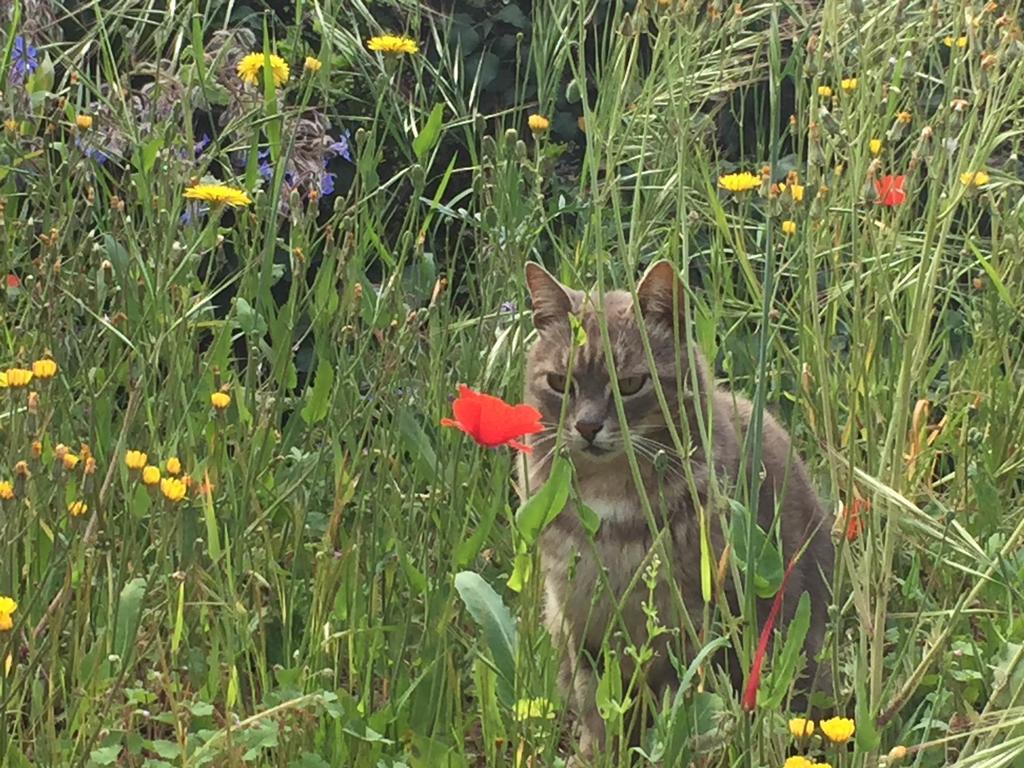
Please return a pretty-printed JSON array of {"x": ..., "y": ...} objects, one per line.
[
  {"x": 959, "y": 42},
  {"x": 797, "y": 761},
  {"x": 789, "y": 227},
  {"x": 801, "y": 727},
  {"x": 6, "y": 622},
  {"x": 251, "y": 67},
  {"x": 173, "y": 489},
  {"x": 538, "y": 124},
  {"x": 220, "y": 400},
  {"x": 217, "y": 194},
  {"x": 824, "y": 91},
  {"x": 77, "y": 508},
  {"x": 8, "y": 605},
  {"x": 838, "y": 730},
  {"x": 849, "y": 84},
  {"x": 904, "y": 117},
  {"x": 150, "y": 475},
  {"x": 11, "y": 125},
  {"x": 173, "y": 466},
  {"x": 135, "y": 459},
  {"x": 44, "y": 369},
  {"x": 6, "y": 490},
  {"x": 534, "y": 709},
  {"x": 312, "y": 64},
  {"x": 822, "y": 765},
  {"x": 17, "y": 377},
  {"x": 739, "y": 182},
  {"x": 392, "y": 45},
  {"x": 796, "y": 191},
  {"x": 875, "y": 145},
  {"x": 974, "y": 179},
  {"x": 84, "y": 122},
  {"x": 70, "y": 461}
]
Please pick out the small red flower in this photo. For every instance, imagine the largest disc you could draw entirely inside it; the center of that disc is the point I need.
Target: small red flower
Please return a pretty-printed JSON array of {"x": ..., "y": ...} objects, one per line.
[
  {"x": 13, "y": 281},
  {"x": 890, "y": 190},
  {"x": 852, "y": 515},
  {"x": 491, "y": 421}
]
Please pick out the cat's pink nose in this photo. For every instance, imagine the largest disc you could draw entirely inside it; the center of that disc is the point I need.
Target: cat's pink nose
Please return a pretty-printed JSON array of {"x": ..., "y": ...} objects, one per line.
[{"x": 588, "y": 429}]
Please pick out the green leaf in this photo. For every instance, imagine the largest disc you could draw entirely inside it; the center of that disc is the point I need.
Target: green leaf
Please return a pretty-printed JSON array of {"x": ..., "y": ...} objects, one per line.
[
  {"x": 589, "y": 519},
  {"x": 129, "y": 609},
  {"x": 867, "y": 736},
  {"x": 541, "y": 509},
  {"x": 149, "y": 151},
  {"x": 759, "y": 552},
  {"x": 249, "y": 320},
  {"x": 431, "y": 132},
  {"x": 787, "y": 668},
  {"x": 319, "y": 400},
  {"x": 168, "y": 749},
  {"x": 106, "y": 755},
  {"x": 417, "y": 443},
  {"x": 494, "y": 620}
]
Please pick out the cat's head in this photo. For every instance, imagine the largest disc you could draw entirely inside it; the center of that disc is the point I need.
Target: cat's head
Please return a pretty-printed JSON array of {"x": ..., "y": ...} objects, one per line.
[{"x": 591, "y": 428}]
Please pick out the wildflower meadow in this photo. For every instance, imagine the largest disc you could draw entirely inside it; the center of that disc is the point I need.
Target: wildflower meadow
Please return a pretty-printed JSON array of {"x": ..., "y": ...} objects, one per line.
[{"x": 262, "y": 337}]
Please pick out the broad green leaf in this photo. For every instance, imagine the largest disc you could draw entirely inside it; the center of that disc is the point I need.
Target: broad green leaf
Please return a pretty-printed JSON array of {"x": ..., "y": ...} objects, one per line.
[
  {"x": 759, "y": 552},
  {"x": 129, "y": 610},
  {"x": 106, "y": 755},
  {"x": 866, "y": 735},
  {"x": 494, "y": 620},
  {"x": 541, "y": 509},
  {"x": 318, "y": 399},
  {"x": 431, "y": 132}
]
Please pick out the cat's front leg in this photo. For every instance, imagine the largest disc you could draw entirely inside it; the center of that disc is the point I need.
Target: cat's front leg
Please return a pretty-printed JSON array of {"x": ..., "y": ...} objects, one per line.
[{"x": 584, "y": 699}]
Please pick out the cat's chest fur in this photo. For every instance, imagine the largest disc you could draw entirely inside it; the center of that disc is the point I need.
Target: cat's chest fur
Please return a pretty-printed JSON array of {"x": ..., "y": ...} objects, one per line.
[{"x": 596, "y": 583}]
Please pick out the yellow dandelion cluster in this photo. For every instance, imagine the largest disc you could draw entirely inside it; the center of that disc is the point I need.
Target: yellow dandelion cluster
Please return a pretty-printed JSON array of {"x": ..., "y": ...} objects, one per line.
[
  {"x": 959, "y": 42},
  {"x": 739, "y": 182},
  {"x": 974, "y": 179},
  {"x": 173, "y": 489},
  {"x": 824, "y": 91},
  {"x": 312, "y": 64},
  {"x": 789, "y": 227},
  {"x": 538, "y": 124},
  {"x": 77, "y": 508},
  {"x": 849, "y": 84},
  {"x": 15, "y": 378},
  {"x": 173, "y": 466},
  {"x": 217, "y": 194},
  {"x": 220, "y": 400},
  {"x": 8, "y": 605},
  {"x": 150, "y": 475},
  {"x": 6, "y": 490},
  {"x": 135, "y": 459},
  {"x": 797, "y": 761},
  {"x": 838, "y": 730},
  {"x": 392, "y": 45},
  {"x": 44, "y": 369},
  {"x": 70, "y": 461},
  {"x": 84, "y": 122},
  {"x": 251, "y": 67},
  {"x": 875, "y": 145}
]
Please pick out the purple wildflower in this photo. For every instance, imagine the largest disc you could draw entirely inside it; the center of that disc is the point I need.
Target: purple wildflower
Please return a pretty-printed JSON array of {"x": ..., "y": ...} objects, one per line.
[
  {"x": 202, "y": 144},
  {"x": 327, "y": 184},
  {"x": 194, "y": 210},
  {"x": 265, "y": 169},
  {"x": 507, "y": 308},
  {"x": 341, "y": 147},
  {"x": 24, "y": 59}
]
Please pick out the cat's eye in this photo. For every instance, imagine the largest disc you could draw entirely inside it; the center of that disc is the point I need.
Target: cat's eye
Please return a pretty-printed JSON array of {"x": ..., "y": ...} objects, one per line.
[
  {"x": 630, "y": 385},
  {"x": 557, "y": 382}
]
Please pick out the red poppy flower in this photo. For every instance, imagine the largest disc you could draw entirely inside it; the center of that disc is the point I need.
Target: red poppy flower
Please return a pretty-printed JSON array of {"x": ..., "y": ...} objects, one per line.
[
  {"x": 491, "y": 421},
  {"x": 890, "y": 190},
  {"x": 852, "y": 515},
  {"x": 13, "y": 281}
]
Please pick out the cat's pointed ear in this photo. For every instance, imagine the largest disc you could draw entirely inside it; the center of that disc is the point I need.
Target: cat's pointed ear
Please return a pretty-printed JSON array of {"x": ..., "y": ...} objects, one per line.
[
  {"x": 551, "y": 300},
  {"x": 661, "y": 294}
]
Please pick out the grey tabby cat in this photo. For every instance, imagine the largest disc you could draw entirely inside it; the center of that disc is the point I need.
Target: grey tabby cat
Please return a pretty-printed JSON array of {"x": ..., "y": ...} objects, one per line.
[{"x": 592, "y": 588}]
